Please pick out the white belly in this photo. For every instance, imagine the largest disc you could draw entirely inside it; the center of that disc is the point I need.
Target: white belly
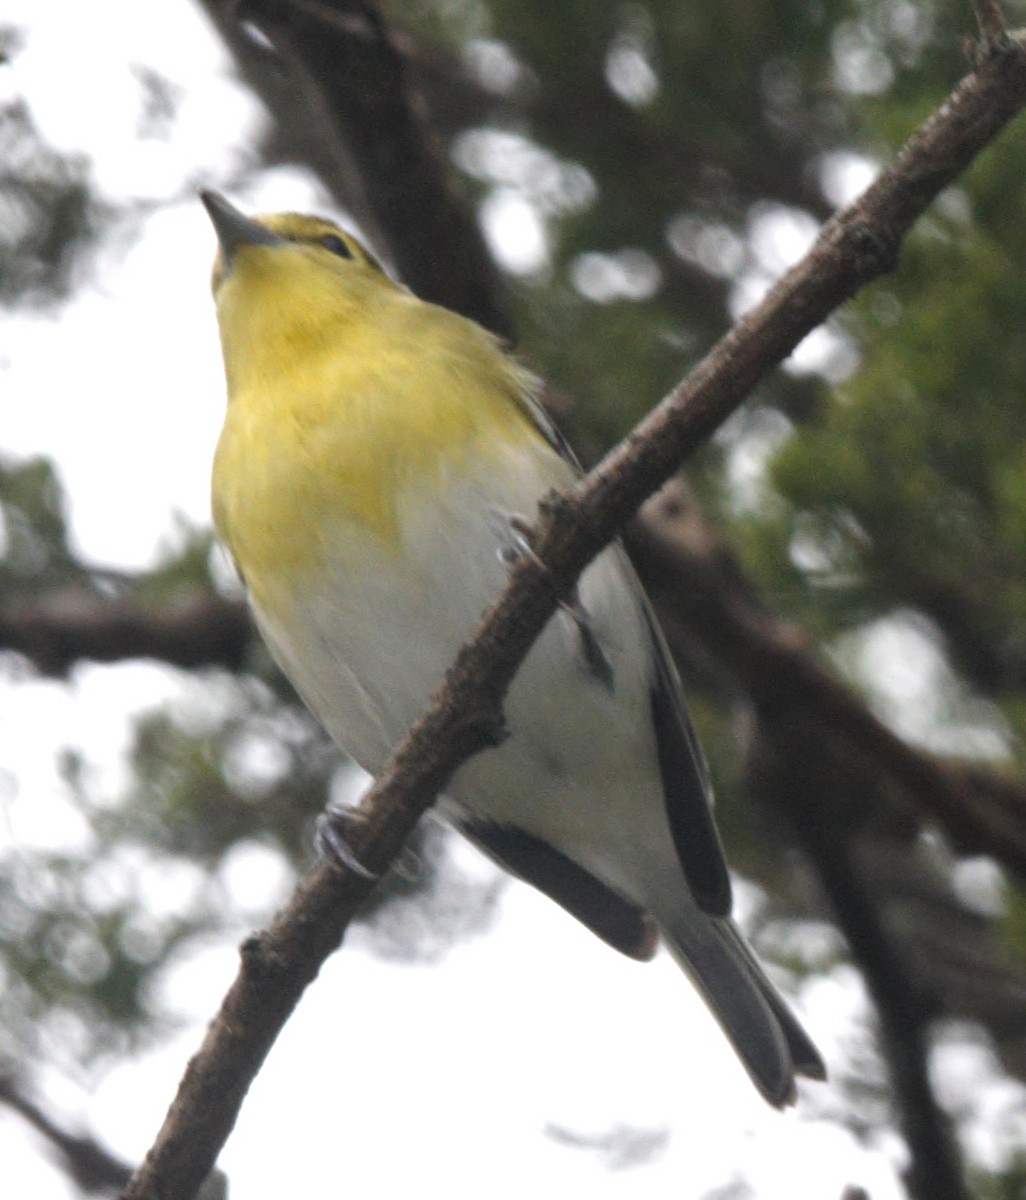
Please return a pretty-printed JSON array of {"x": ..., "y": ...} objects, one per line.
[{"x": 369, "y": 641}]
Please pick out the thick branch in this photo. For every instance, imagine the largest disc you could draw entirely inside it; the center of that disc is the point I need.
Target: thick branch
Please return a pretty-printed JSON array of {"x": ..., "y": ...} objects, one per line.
[
  {"x": 981, "y": 811},
  {"x": 853, "y": 248},
  {"x": 799, "y": 771},
  {"x": 59, "y": 629},
  {"x": 771, "y": 659},
  {"x": 356, "y": 84}
]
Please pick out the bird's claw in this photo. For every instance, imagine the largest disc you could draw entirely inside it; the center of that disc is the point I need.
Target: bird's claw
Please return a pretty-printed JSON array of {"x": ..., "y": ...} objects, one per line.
[
  {"x": 332, "y": 841},
  {"x": 513, "y": 532}
]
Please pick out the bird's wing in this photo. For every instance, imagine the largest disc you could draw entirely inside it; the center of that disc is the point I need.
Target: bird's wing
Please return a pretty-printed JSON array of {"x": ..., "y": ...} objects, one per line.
[
  {"x": 606, "y": 913},
  {"x": 686, "y": 787},
  {"x": 527, "y": 398}
]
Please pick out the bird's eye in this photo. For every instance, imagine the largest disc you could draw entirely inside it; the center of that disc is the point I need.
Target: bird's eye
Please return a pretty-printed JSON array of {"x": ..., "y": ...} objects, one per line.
[{"x": 332, "y": 242}]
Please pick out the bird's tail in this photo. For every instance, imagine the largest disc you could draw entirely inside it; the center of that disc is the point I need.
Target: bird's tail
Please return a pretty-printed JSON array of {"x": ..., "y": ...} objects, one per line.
[{"x": 767, "y": 1037}]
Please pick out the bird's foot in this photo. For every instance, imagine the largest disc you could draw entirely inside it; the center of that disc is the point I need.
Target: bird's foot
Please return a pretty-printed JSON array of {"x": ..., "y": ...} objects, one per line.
[
  {"x": 331, "y": 839},
  {"x": 513, "y": 532},
  {"x": 514, "y": 537}
]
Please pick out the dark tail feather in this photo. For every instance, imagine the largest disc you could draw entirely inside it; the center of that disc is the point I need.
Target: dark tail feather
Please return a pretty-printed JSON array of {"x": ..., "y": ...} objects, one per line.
[
  {"x": 804, "y": 1055},
  {"x": 770, "y": 1043}
]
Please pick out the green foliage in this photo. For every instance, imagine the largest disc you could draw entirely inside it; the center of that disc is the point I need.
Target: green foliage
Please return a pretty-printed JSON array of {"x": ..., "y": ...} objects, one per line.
[
  {"x": 47, "y": 212},
  {"x": 682, "y": 133},
  {"x": 671, "y": 121},
  {"x": 35, "y": 536},
  {"x": 181, "y": 572},
  {"x": 1009, "y": 1184},
  {"x": 909, "y": 489},
  {"x": 73, "y": 963}
]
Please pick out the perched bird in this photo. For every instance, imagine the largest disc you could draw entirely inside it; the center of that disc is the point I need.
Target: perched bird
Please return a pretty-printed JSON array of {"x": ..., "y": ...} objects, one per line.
[{"x": 379, "y": 459}]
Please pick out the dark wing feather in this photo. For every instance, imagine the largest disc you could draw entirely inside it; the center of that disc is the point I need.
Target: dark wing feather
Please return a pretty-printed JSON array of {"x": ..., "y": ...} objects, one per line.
[
  {"x": 686, "y": 788},
  {"x": 606, "y": 913}
]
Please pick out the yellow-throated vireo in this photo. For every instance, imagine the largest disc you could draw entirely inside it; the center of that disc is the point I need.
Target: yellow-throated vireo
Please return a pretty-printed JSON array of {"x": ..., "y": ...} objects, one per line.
[{"x": 378, "y": 459}]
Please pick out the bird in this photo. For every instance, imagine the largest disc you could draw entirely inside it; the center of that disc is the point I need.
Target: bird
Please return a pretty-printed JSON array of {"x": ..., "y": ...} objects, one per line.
[{"x": 380, "y": 460}]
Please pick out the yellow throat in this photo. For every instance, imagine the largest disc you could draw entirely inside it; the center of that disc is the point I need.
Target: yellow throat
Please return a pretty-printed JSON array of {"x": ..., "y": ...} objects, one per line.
[{"x": 344, "y": 390}]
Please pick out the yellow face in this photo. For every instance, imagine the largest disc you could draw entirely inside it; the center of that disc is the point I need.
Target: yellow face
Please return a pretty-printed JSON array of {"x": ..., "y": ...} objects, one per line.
[
  {"x": 291, "y": 290},
  {"x": 347, "y": 396},
  {"x": 323, "y": 237}
]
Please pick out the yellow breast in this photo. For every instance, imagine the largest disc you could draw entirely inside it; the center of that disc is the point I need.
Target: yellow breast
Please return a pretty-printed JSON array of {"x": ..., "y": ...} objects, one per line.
[{"x": 340, "y": 403}]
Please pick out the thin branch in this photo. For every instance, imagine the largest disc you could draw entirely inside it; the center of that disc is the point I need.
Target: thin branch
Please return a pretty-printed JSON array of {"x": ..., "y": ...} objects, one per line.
[
  {"x": 991, "y": 21},
  {"x": 92, "y": 1168},
  {"x": 465, "y": 714}
]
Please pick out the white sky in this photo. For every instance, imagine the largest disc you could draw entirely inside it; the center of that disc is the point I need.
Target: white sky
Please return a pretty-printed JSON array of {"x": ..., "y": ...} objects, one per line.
[{"x": 388, "y": 1074}]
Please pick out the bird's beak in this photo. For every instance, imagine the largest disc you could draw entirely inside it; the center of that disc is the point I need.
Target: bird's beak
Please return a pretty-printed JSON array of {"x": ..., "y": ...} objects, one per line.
[{"x": 233, "y": 228}]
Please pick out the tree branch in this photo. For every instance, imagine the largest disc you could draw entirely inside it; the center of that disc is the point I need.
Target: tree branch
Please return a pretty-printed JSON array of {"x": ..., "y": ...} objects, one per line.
[
  {"x": 92, "y": 1168},
  {"x": 60, "y": 628},
  {"x": 981, "y": 811},
  {"x": 799, "y": 769},
  {"x": 465, "y": 715},
  {"x": 356, "y": 85},
  {"x": 680, "y": 560},
  {"x": 990, "y": 21}
]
